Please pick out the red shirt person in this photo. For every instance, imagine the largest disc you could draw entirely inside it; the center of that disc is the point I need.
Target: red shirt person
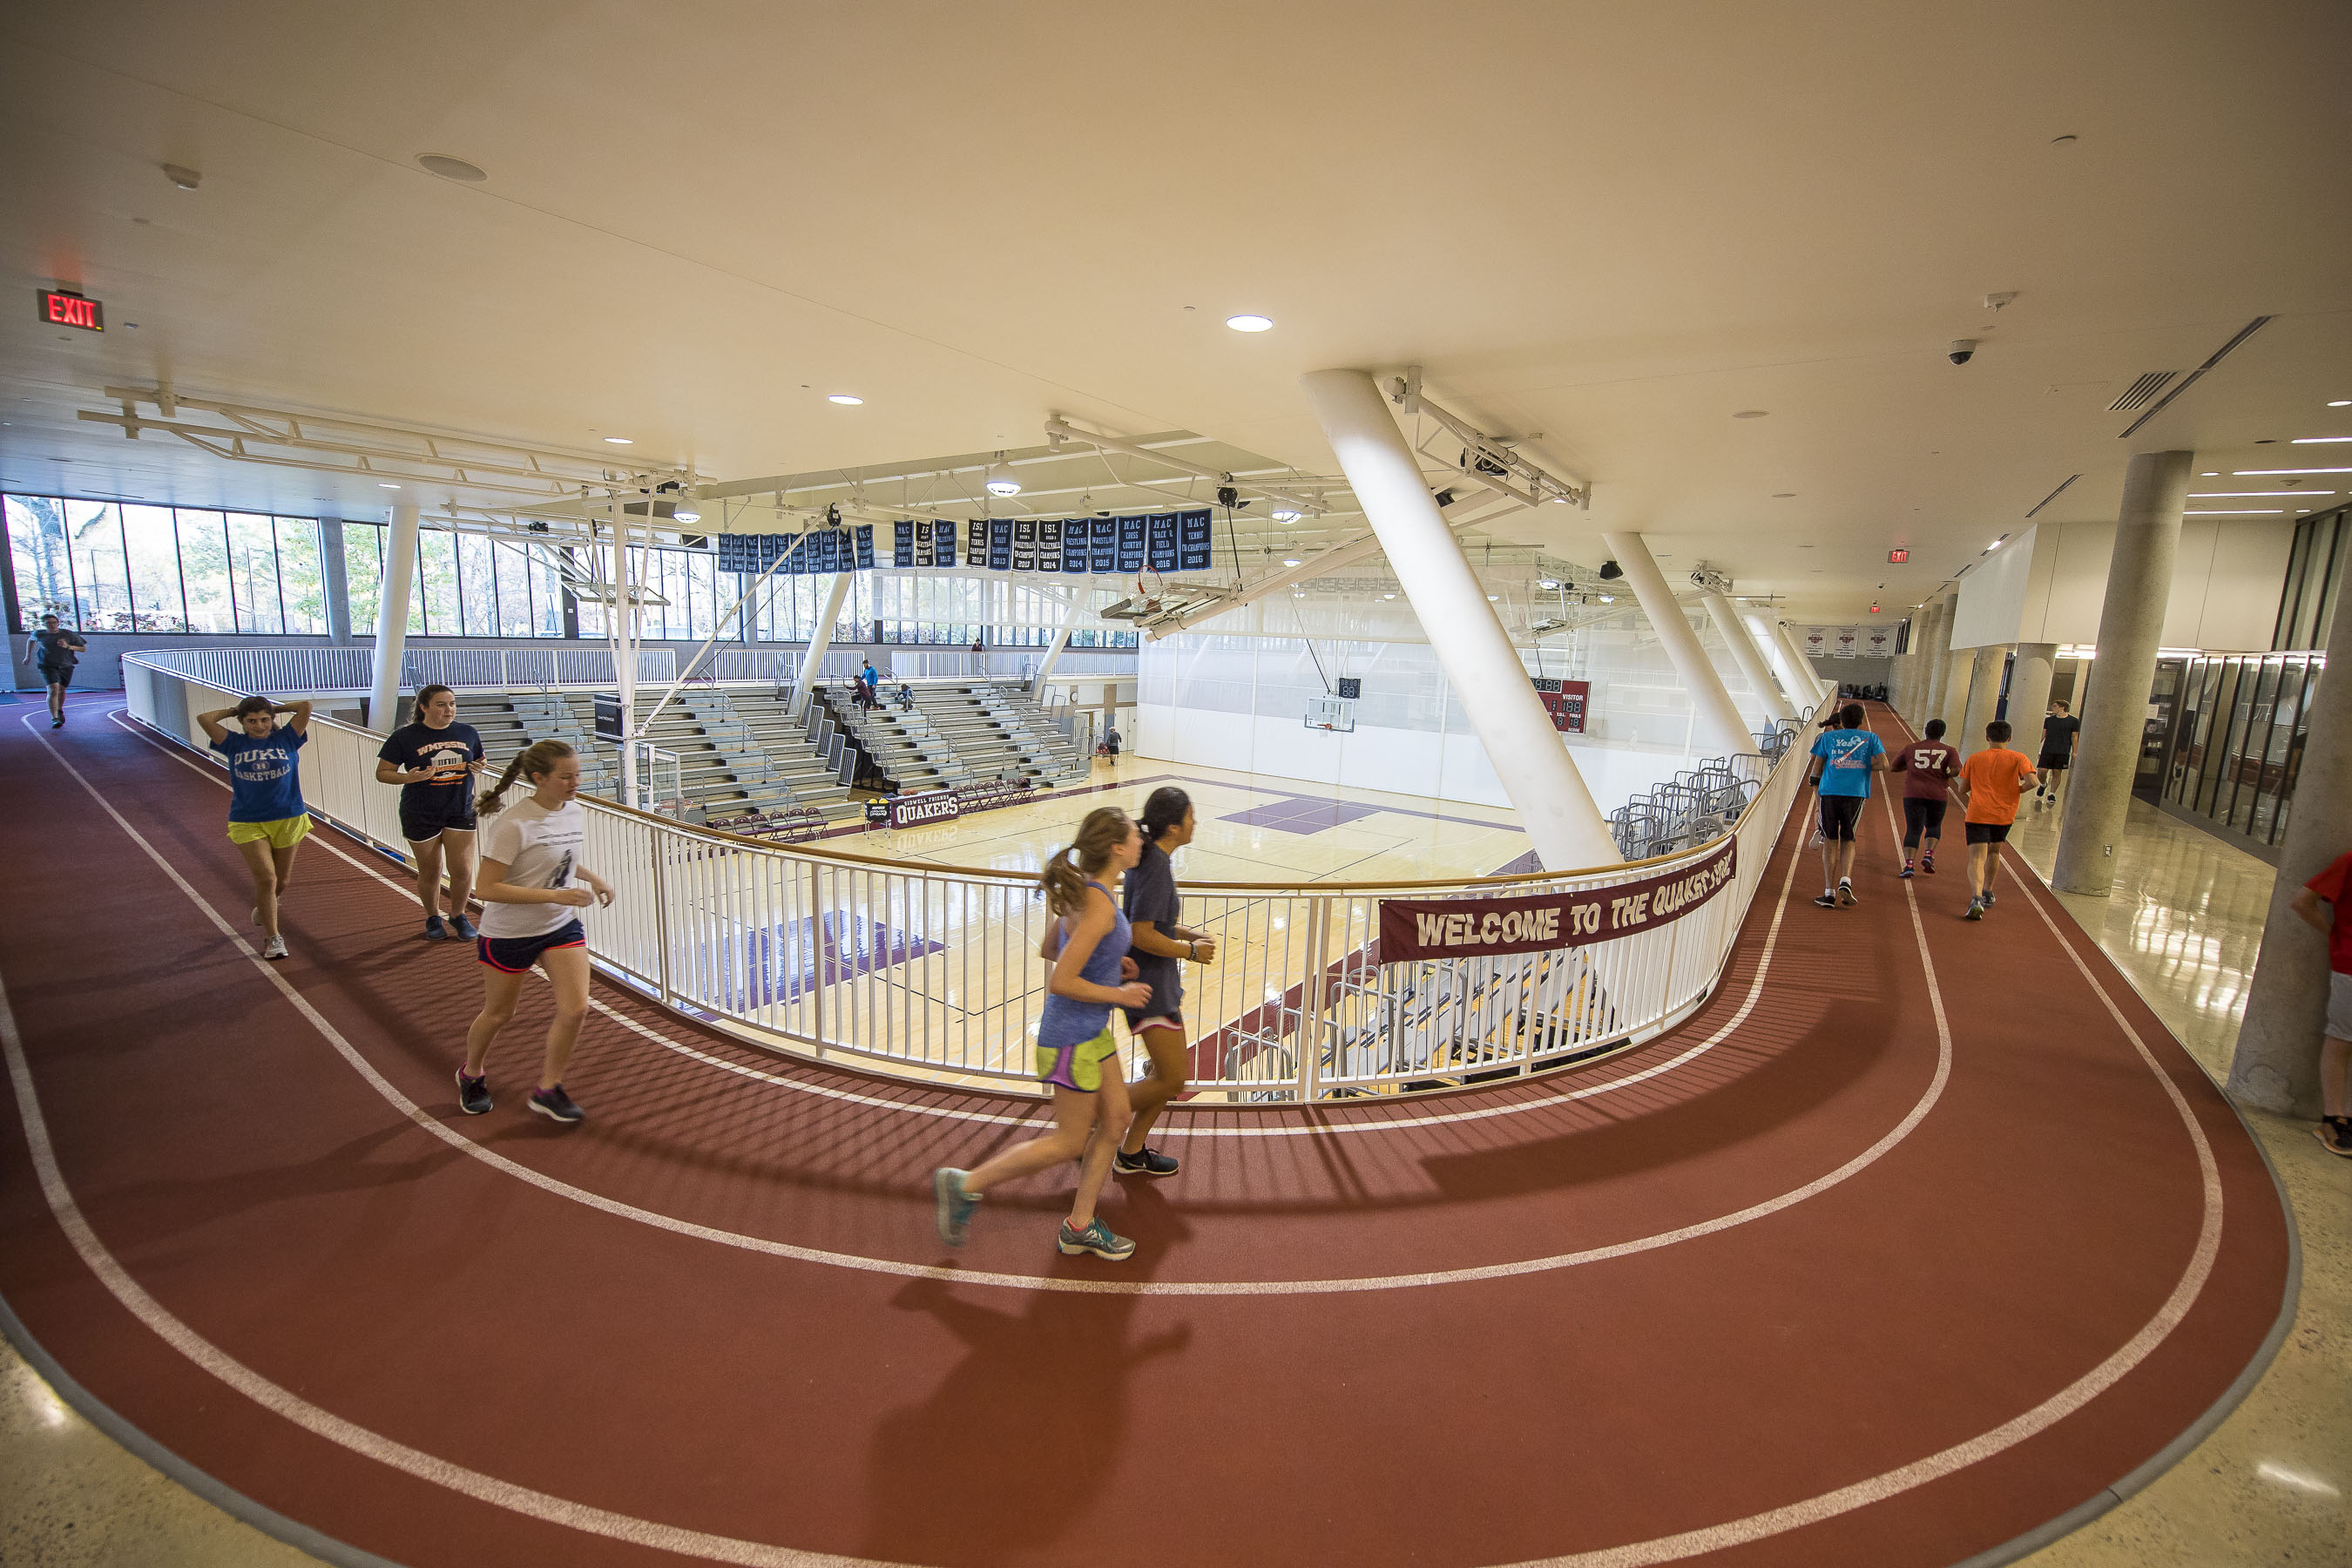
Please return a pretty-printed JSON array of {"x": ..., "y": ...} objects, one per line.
[
  {"x": 2330, "y": 888},
  {"x": 1928, "y": 765}
]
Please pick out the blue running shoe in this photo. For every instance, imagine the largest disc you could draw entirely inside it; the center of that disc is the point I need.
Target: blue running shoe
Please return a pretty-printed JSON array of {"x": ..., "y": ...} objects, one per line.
[
  {"x": 952, "y": 1204},
  {"x": 462, "y": 928},
  {"x": 1145, "y": 1162},
  {"x": 1096, "y": 1238}
]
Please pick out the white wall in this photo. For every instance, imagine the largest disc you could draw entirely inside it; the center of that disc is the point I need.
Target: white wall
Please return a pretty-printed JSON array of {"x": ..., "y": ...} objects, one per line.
[
  {"x": 1237, "y": 699},
  {"x": 2048, "y": 585}
]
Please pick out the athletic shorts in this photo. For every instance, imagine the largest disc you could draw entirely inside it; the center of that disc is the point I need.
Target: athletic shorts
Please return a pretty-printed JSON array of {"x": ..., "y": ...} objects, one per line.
[
  {"x": 1840, "y": 814},
  {"x": 1078, "y": 1067},
  {"x": 515, "y": 955},
  {"x": 283, "y": 833},
  {"x": 2339, "y": 1007},
  {"x": 424, "y": 822},
  {"x": 1139, "y": 1020},
  {"x": 1989, "y": 832},
  {"x": 53, "y": 676},
  {"x": 1922, "y": 819},
  {"x": 2051, "y": 762}
]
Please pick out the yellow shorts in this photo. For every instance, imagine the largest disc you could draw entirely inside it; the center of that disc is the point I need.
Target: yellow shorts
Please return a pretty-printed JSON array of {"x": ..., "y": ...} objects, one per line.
[
  {"x": 283, "y": 833},
  {"x": 1078, "y": 1067}
]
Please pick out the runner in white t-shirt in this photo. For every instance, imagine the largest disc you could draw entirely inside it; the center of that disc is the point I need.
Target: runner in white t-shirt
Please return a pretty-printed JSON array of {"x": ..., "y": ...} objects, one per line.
[{"x": 533, "y": 889}]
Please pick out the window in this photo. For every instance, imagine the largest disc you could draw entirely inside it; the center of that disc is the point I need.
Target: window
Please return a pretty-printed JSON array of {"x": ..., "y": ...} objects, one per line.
[
  {"x": 253, "y": 575},
  {"x": 152, "y": 548},
  {"x": 301, "y": 580},
  {"x": 204, "y": 572},
  {"x": 94, "y": 547}
]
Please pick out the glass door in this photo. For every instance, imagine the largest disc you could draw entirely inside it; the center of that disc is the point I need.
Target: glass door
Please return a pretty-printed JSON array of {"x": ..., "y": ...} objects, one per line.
[{"x": 2157, "y": 740}]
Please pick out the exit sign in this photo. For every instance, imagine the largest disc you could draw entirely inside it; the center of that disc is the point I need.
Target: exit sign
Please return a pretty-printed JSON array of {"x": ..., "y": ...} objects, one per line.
[
  {"x": 61, "y": 310},
  {"x": 1898, "y": 557}
]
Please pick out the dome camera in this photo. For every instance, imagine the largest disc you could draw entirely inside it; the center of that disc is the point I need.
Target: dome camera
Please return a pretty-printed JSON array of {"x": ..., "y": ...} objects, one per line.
[{"x": 1961, "y": 349}]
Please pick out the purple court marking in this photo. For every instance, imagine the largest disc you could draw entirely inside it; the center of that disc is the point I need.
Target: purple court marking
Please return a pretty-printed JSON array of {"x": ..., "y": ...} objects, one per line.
[
  {"x": 1302, "y": 814},
  {"x": 781, "y": 963}
]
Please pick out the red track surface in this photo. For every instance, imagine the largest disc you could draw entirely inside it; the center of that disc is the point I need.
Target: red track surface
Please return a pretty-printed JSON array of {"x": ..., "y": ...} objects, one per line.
[{"x": 1792, "y": 1387}]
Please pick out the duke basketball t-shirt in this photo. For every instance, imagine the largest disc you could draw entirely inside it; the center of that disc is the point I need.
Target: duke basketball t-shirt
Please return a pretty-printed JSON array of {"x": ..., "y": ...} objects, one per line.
[
  {"x": 539, "y": 849},
  {"x": 264, "y": 785}
]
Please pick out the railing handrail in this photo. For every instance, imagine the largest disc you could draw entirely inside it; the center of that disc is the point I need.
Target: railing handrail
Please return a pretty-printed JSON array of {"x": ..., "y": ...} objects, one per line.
[{"x": 1001, "y": 878}]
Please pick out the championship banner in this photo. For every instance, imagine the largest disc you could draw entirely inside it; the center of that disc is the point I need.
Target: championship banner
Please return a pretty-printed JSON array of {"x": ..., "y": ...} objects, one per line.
[
  {"x": 1817, "y": 642},
  {"x": 1845, "y": 642},
  {"x": 1413, "y": 929},
  {"x": 1877, "y": 642},
  {"x": 1166, "y": 542}
]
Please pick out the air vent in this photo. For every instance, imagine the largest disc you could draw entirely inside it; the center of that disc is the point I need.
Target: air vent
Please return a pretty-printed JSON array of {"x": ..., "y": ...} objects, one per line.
[{"x": 2137, "y": 393}]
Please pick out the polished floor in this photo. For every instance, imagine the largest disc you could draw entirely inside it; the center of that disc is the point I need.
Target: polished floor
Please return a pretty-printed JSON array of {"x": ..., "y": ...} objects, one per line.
[{"x": 2268, "y": 1486}]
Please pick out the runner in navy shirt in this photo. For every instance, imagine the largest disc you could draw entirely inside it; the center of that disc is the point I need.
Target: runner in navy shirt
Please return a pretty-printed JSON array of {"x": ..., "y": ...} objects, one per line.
[
  {"x": 434, "y": 761},
  {"x": 266, "y": 819}
]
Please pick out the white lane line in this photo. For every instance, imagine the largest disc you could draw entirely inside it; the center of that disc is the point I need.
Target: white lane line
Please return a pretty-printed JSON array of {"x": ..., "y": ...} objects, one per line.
[
  {"x": 1040, "y": 1115},
  {"x": 723, "y": 1549},
  {"x": 1344, "y": 1285}
]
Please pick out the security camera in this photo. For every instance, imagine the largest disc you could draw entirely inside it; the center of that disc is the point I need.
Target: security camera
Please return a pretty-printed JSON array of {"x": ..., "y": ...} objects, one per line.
[{"x": 1961, "y": 349}]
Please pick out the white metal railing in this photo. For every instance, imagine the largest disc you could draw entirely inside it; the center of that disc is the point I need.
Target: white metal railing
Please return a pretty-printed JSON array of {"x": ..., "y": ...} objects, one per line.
[
  {"x": 1095, "y": 661},
  {"x": 276, "y": 669},
  {"x": 932, "y": 971}
]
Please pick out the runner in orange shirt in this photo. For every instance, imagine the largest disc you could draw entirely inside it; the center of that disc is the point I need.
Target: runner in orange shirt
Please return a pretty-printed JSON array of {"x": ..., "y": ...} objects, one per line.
[{"x": 1990, "y": 784}]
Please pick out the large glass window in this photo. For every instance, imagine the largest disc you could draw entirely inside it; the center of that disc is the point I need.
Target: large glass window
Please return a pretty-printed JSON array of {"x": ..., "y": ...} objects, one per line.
[
  {"x": 39, "y": 555},
  {"x": 253, "y": 575},
  {"x": 152, "y": 549},
  {"x": 301, "y": 580},
  {"x": 204, "y": 572},
  {"x": 101, "y": 586}
]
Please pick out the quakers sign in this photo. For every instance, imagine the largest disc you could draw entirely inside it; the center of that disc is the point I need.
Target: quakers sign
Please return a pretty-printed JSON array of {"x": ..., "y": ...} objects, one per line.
[{"x": 1415, "y": 929}]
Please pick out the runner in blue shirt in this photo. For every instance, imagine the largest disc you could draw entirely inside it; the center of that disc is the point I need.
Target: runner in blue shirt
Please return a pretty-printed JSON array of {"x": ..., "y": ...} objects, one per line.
[
  {"x": 266, "y": 818},
  {"x": 1843, "y": 760}
]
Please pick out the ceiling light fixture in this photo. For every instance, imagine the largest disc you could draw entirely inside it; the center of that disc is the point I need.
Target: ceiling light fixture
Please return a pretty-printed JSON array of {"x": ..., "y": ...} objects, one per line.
[
  {"x": 385, "y": 485},
  {"x": 843, "y": 399},
  {"x": 1388, "y": 595},
  {"x": 2274, "y": 511},
  {"x": 1547, "y": 583},
  {"x": 2236, "y": 495},
  {"x": 2341, "y": 403},
  {"x": 1608, "y": 598},
  {"x": 1494, "y": 598},
  {"x": 1285, "y": 514},
  {"x": 1001, "y": 480},
  {"x": 1250, "y": 324},
  {"x": 1610, "y": 571},
  {"x": 686, "y": 514},
  {"x": 2210, "y": 474},
  {"x": 618, "y": 441},
  {"x": 2319, "y": 440},
  {"x": 2263, "y": 473},
  {"x": 1290, "y": 561}
]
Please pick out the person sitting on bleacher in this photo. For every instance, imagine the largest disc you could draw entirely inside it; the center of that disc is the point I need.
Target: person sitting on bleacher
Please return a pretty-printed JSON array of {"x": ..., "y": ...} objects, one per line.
[{"x": 905, "y": 696}]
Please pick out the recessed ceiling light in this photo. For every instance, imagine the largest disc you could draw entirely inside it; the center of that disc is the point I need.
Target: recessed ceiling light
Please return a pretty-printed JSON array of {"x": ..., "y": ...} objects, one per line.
[
  {"x": 2275, "y": 511},
  {"x": 2262, "y": 473},
  {"x": 843, "y": 399},
  {"x": 1994, "y": 545},
  {"x": 2341, "y": 403},
  {"x": 1250, "y": 324},
  {"x": 1388, "y": 595},
  {"x": 450, "y": 168},
  {"x": 2235, "y": 495},
  {"x": 1608, "y": 598},
  {"x": 2298, "y": 441},
  {"x": 1494, "y": 598},
  {"x": 619, "y": 441},
  {"x": 385, "y": 485},
  {"x": 1289, "y": 561},
  {"x": 1751, "y": 413}
]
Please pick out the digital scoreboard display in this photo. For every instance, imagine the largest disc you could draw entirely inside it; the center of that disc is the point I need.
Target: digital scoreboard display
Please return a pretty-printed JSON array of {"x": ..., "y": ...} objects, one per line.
[{"x": 61, "y": 310}]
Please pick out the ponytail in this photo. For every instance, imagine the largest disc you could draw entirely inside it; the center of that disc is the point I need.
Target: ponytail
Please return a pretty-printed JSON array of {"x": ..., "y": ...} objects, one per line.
[
  {"x": 1066, "y": 874},
  {"x": 535, "y": 761}
]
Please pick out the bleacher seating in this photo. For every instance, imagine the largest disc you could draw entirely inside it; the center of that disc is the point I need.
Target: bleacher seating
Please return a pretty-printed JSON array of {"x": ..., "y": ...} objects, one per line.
[{"x": 999, "y": 732}]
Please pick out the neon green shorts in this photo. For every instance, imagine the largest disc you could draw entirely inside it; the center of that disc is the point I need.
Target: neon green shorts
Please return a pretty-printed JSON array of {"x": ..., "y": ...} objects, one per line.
[
  {"x": 1079, "y": 1067},
  {"x": 283, "y": 833}
]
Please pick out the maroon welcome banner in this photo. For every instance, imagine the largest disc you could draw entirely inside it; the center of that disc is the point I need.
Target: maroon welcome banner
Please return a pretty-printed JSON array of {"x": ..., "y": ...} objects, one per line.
[{"x": 1486, "y": 927}]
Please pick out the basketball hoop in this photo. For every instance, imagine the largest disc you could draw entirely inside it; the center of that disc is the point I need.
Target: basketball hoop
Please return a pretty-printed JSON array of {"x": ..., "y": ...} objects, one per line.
[{"x": 1148, "y": 585}]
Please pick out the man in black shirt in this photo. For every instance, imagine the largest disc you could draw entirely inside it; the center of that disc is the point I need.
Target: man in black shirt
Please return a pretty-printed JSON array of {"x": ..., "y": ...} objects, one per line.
[
  {"x": 54, "y": 652},
  {"x": 1161, "y": 949},
  {"x": 2057, "y": 750}
]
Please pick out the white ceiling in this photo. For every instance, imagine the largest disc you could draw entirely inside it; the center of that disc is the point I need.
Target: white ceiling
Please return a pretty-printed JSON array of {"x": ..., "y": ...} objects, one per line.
[{"x": 1615, "y": 224}]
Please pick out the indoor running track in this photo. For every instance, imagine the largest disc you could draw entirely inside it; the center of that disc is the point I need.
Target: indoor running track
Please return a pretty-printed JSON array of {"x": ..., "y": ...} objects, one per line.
[{"x": 1921, "y": 1235}]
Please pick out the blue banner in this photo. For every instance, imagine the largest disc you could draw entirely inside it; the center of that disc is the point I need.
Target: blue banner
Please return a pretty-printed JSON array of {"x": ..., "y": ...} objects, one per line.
[
  {"x": 1161, "y": 552},
  {"x": 902, "y": 544},
  {"x": 1000, "y": 545},
  {"x": 1196, "y": 541},
  {"x": 1131, "y": 543}
]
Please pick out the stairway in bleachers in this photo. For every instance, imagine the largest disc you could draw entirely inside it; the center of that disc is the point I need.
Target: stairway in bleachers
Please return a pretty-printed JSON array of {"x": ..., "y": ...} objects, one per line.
[{"x": 997, "y": 732}]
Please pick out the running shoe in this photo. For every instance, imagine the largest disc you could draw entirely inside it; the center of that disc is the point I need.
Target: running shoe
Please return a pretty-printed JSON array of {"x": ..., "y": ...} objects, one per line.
[
  {"x": 59, "y": 722},
  {"x": 556, "y": 1105},
  {"x": 433, "y": 930},
  {"x": 1827, "y": 901},
  {"x": 273, "y": 948},
  {"x": 1976, "y": 910},
  {"x": 462, "y": 928},
  {"x": 1097, "y": 1239},
  {"x": 1145, "y": 1162},
  {"x": 1845, "y": 895},
  {"x": 2335, "y": 1134},
  {"x": 1908, "y": 870},
  {"x": 1927, "y": 864},
  {"x": 1988, "y": 898},
  {"x": 952, "y": 1204},
  {"x": 474, "y": 1093}
]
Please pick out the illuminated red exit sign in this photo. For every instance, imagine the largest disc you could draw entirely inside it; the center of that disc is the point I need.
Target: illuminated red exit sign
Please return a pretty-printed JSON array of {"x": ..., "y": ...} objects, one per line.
[
  {"x": 1898, "y": 557},
  {"x": 72, "y": 311}
]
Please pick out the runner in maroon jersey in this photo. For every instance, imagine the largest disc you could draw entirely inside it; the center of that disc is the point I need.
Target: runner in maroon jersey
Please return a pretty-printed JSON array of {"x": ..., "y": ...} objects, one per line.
[{"x": 1927, "y": 767}]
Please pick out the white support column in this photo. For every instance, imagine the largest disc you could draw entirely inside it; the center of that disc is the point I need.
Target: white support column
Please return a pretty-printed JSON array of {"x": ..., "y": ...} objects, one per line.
[
  {"x": 1799, "y": 694},
  {"x": 621, "y": 627},
  {"x": 1984, "y": 696},
  {"x": 391, "y": 618},
  {"x": 1528, "y": 754},
  {"x": 1751, "y": 661},
  {"x": 1817, "y": 690},
  {"x": 1719, "y": 725},
  {"x": 820, "y": 639},
  {"x": 1070, "y": 618}
]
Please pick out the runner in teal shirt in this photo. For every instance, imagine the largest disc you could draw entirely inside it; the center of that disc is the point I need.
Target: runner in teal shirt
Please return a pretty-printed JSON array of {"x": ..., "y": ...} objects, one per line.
[{"x": 1843, "y": 760}]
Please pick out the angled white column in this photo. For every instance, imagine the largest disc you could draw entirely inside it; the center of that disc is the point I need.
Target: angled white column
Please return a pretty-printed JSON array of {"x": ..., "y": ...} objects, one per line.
[
  {"x": 1984, "y": 696},
  {"x": 1720, "y": 726},
  {"x": 1798, "y": 694},
  {"x": 391, "y": 618},
  {"x": 1817, "y": 690},
  {"x": 2115, "y": 710},
  {"x": 1751, "y": 661},
  {"x": 1529, "y": 756},
  {"x": 1078, "y": 597},
  {"x": 820, "y": 639}
]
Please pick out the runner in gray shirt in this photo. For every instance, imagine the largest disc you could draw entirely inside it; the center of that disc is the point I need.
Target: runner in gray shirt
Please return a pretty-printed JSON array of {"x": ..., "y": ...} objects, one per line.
[{"x": 1160, "y": 948}]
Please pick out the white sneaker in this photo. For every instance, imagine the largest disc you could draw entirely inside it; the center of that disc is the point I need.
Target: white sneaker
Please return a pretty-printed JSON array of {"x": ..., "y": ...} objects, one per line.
[{"x": 273, "y": 948}]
